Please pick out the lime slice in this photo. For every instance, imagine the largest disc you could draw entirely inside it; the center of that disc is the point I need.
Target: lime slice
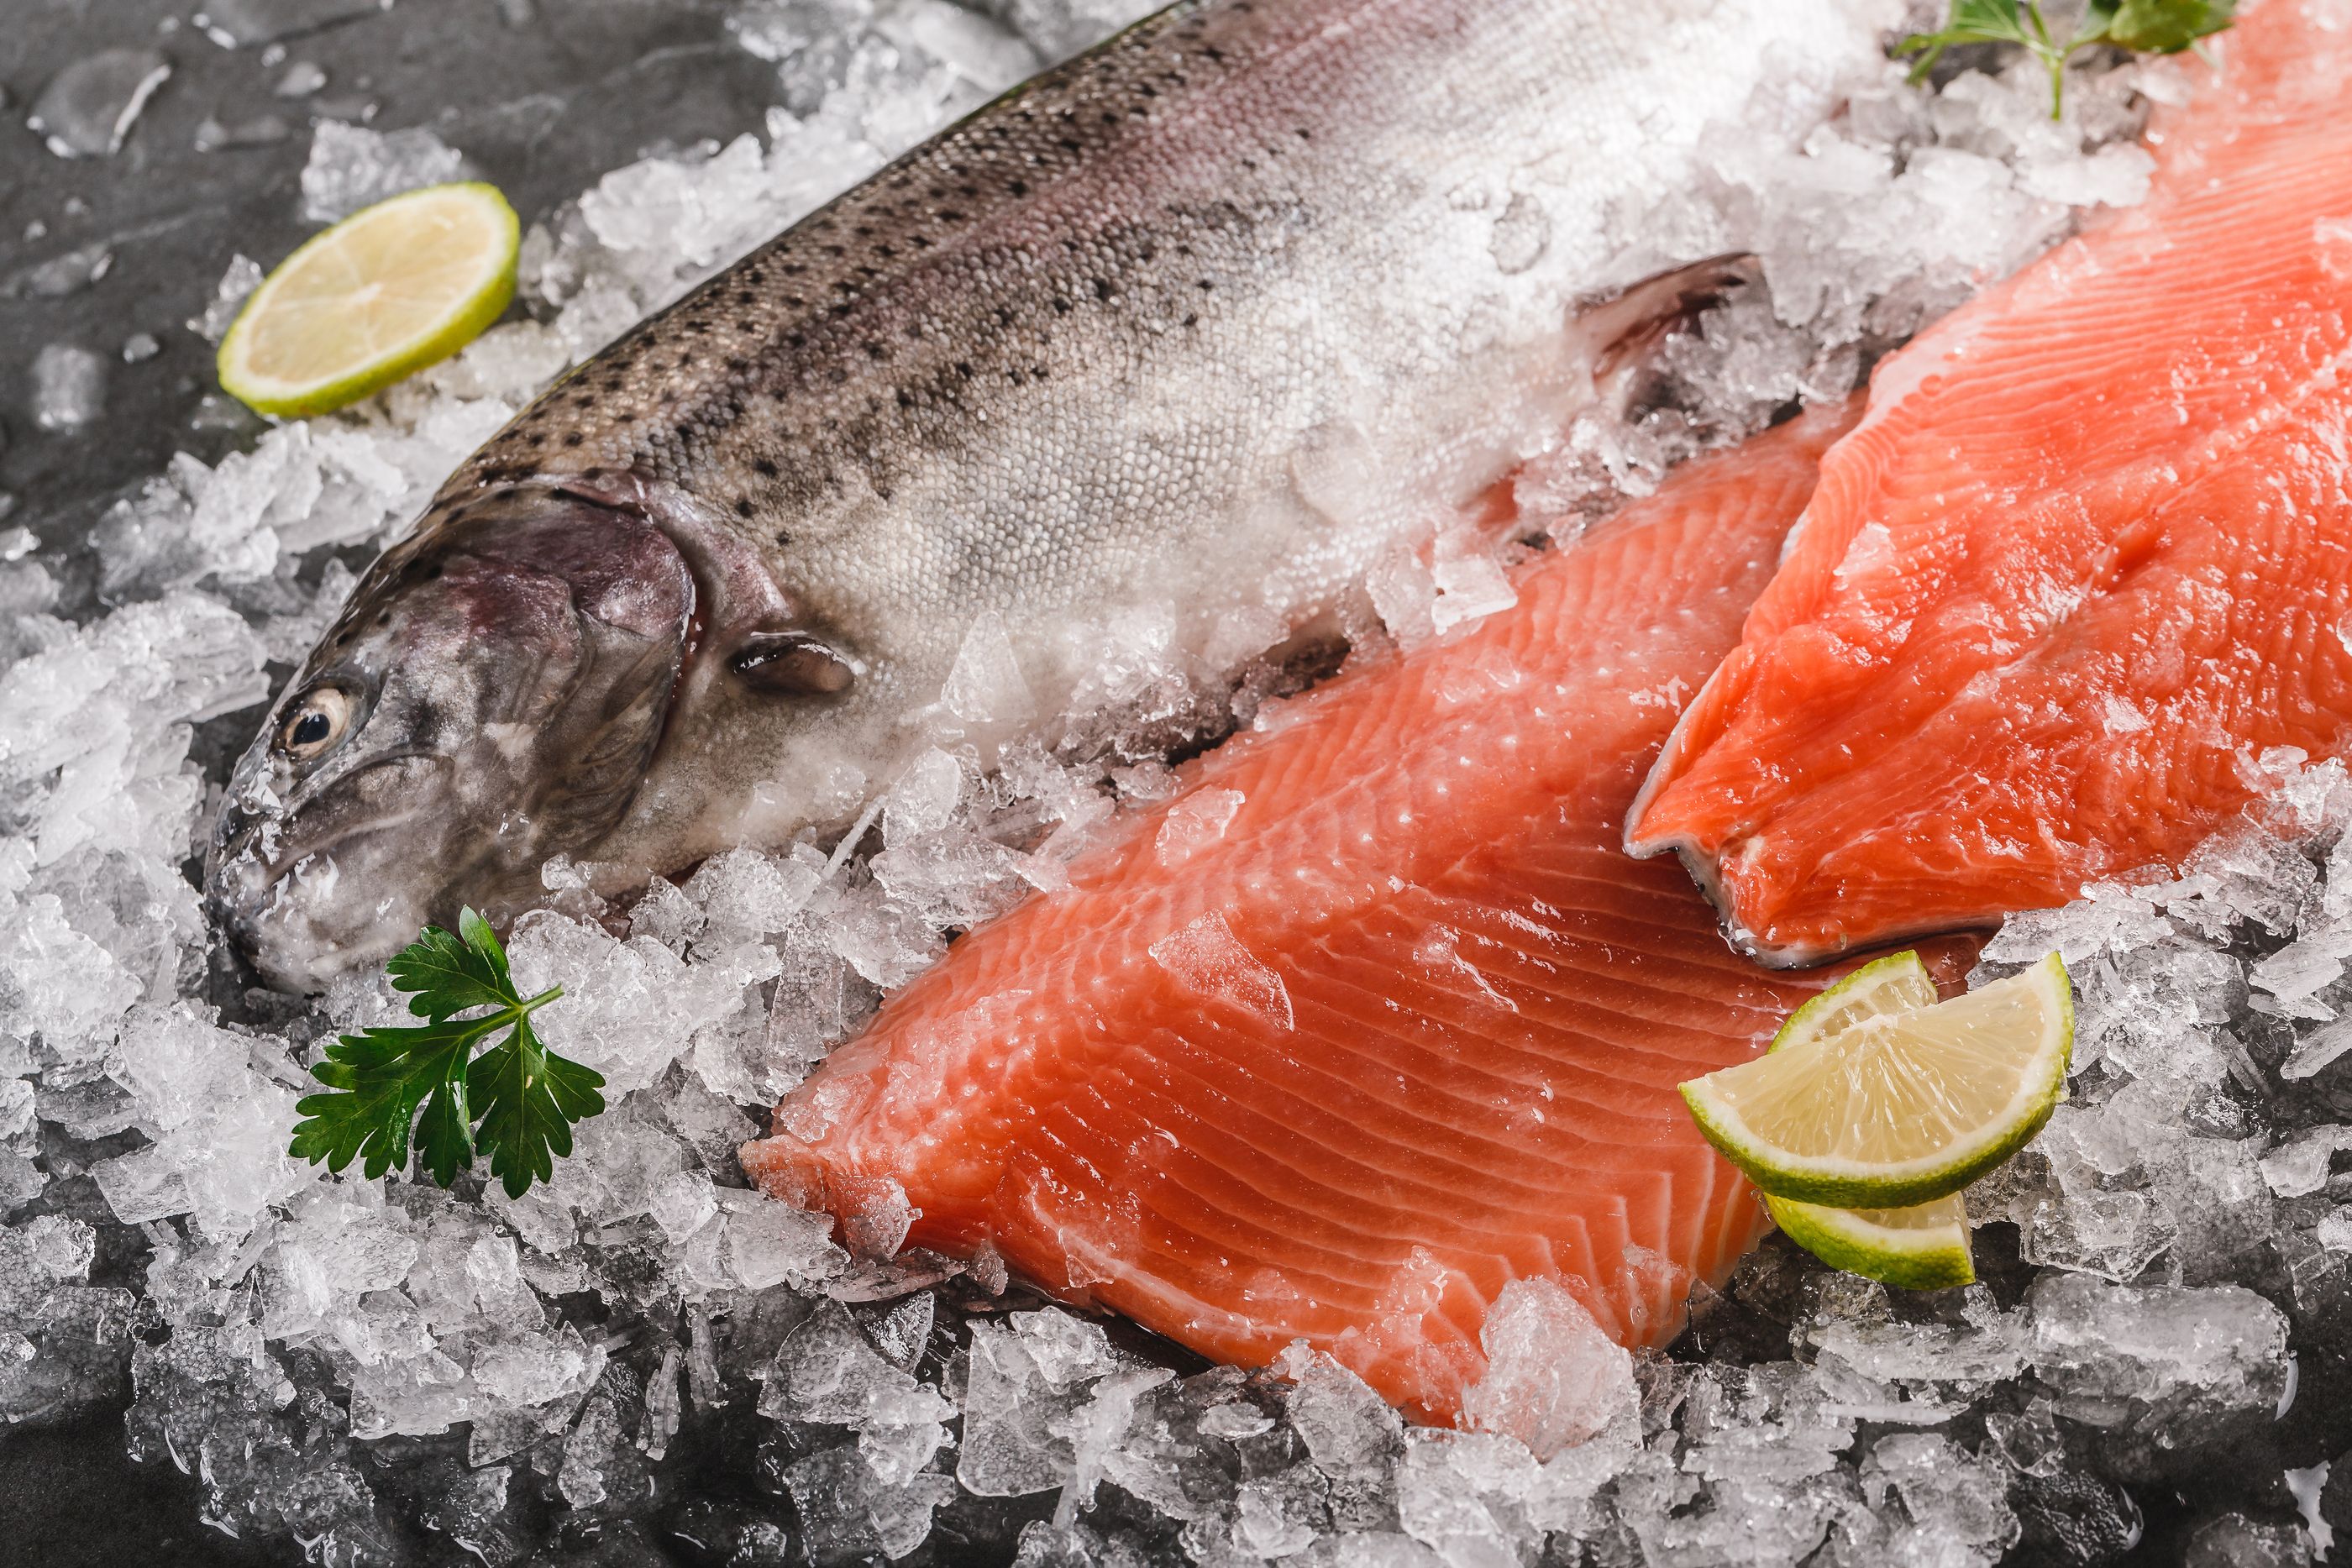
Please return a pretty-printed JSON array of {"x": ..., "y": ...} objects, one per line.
[
  {"x": 387, "y": 291},
  {"x": 1899, "y": 1108},
  {"x": 1923, "y": 1248}
]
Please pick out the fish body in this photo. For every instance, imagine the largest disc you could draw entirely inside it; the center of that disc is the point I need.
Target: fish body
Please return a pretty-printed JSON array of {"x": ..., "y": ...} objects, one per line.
[
  {"x": 1373, "y": 1018},
  {"x": 1187, "y": 331},
  {"x": 2087, "y": 558}
]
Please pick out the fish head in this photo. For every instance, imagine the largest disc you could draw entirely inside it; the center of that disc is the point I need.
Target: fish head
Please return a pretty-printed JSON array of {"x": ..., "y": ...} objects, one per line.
[{"x": 488, "y": 699}]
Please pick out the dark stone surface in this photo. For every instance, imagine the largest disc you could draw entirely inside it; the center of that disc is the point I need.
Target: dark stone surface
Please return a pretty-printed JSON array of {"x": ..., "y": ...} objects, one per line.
[
  {"x": 70, "y": 1497},
  {"x": 541, "y": 97}
]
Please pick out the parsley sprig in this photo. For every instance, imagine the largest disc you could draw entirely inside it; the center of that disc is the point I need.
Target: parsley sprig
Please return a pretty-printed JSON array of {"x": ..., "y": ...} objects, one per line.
[
  {"x": 516, "y": 1102},
  {"x": 2143, "y": 27}
]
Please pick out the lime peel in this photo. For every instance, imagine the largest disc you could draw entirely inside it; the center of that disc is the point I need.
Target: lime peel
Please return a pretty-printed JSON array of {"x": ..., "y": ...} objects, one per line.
[
  {"x": 1899, "y": 1109},
  {"x": 1923, "y": 1248},
  {"x": 379, "y": 296}
]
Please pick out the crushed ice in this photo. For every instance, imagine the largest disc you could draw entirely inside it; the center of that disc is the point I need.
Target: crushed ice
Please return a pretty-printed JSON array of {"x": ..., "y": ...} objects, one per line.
[{"x": 340, "y": 1361}]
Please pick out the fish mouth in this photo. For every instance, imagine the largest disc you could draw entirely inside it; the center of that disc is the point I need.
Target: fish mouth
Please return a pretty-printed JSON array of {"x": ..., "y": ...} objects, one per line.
[{"x": 269, "y": 886}]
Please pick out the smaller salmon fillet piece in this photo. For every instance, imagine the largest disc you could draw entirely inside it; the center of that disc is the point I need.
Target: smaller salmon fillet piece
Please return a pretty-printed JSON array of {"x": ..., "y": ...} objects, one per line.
[
  {"x": 2087, "y": 558},
  {"x": 1374, "y": 1018}
]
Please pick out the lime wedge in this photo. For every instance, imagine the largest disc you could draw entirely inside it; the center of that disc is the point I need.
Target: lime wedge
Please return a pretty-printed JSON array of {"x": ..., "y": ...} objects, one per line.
[
  {"x": 1897, "y": 984},
  {"x": 1898, "y": 1108},
  {"x": 387, "y": 291},
  {"x": 1923, "y": 1248}
]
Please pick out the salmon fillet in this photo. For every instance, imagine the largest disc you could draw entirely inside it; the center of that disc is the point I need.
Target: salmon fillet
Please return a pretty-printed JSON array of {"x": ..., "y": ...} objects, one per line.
[
  {"x": 2086, "y": 558},
  {"x": 1373, "y": 1018}
]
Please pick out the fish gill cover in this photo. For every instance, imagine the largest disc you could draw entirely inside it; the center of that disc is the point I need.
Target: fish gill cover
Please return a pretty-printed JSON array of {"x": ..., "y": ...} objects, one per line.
[{"x": 641, "y": 1350}]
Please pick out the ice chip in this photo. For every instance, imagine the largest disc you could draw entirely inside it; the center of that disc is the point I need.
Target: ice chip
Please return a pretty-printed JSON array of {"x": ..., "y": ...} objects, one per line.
[
  {"x": 352, "y": 167},
  {"x": 2315, "y": 1050},
  {"x": 302, "y": 78},
  {"x": 980, "y": 49},
  {"x": 88, "y": 107},
  {"x": 827, "y": 1371},
  {"x": 1059, "y": 28},
  {"x": 69, "y": 272},
  {"x": 1241, "y": 635},
  {"x": 537, "y": 1368},
  {"x": 902, "y": 1332},
  {"x": 630, "y": 1009},
  {"x": 175, "y": 1061},
  {"x": 1280, "y": 1515},
  {"x": 1955, "y": 1504},
  {"x": 1195, "y": 823},
  {"x": 744, "y": 896},
  {"x": 511, "y": 362},
  {"x": 1404, "y": 595},
  {"x": 2165, "y": 1357},
  {"x": 1097, "y": 1432},
  {"x": 683, "y": 1203},
  {"x": 2334, "y": 1230},
  {"x": 262, "y": 130},
  {"x": 769, "y": 1243},
  {"x": 985, "y": 684},
  {"x": 1206, "y": 956},
  {"x": 2114, "y": 176},
  {"x": 1553, "y": 1378},
  {"x": 1348, "y": 1429},
  {"x": 16, "y": 1117},
  {"x": 1026, "y": 1381},
  {"x": 68, "y": 387},
  {"x": 2300, "y": 1166},
  {"x": 2234, "y": 1541},
  {"x": 243, "y": 276},
  {"x": 1066, "y": 1349},
  {"x": 848, "y": 1510},
  {"x": 1469, "y": 588},
  {"x": 142, "y": 1186},
  {"x": 923, "y": 801},
  {"x": 2296, "y": 972}
]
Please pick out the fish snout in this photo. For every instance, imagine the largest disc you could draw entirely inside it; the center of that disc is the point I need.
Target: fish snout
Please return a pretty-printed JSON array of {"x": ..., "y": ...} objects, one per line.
[
  {"x": 284, "y": 886},
  {"x": 250, "y": 908}
]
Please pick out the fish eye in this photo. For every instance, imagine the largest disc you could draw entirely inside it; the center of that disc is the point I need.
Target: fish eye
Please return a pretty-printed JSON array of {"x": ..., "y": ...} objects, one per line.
[
  {"x": 315, "y": 724},
  {"x": 790, "y": 661}
]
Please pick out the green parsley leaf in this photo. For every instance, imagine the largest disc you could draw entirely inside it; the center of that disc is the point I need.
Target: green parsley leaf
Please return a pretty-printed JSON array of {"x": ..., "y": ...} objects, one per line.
[
  {"x": 517, "y": 1102},
  {"x": 530, "y": 1098},
  {"x": 1974, "y": 22},
  {"x": 2143, "y": 27},
  {"x": 2163, "y": 27}
]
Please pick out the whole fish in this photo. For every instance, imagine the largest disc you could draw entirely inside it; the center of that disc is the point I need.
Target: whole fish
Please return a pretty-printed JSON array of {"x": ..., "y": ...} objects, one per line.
[{"x": 1200, "y": 323}]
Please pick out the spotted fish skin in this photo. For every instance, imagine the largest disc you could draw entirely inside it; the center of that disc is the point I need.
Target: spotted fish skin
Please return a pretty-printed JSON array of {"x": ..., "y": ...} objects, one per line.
[{"x": 1193, "y": 327}]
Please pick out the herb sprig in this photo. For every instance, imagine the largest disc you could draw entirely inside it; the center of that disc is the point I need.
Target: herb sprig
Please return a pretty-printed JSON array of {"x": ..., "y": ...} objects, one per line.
[
  {"x": 517, "y": 1102},
  {"x": 2143, "y": 27}
]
